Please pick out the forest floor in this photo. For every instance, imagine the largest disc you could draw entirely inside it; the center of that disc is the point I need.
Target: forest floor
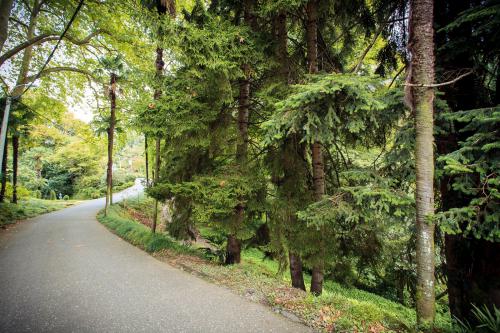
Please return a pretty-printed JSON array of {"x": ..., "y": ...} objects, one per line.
[
  {"x": 11, "y": 213},
  {"x": 338, "y": 309}
]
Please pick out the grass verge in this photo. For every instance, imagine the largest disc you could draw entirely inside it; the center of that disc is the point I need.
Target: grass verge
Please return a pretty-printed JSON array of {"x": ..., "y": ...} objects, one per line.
[
  {"x": 119, "y": 221},
  {"x": 338, "y": 309},
  {"x": 11, "y": 213}
]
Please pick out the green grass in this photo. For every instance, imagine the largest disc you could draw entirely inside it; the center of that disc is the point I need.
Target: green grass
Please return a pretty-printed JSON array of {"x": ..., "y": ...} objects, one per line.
[
  {"x": 358, "y": 307},
  {"x": 139, "y": 235},
  {"x": 10, "y": 213}
]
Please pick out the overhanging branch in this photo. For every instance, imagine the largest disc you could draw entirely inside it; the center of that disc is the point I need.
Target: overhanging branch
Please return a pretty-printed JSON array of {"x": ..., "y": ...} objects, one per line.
[
  {"x": 34, "y": 41},
  {"x": 48, "y": 71},
  {"x": 45, "y": 38},
  {"x": 433, "y": 85}
]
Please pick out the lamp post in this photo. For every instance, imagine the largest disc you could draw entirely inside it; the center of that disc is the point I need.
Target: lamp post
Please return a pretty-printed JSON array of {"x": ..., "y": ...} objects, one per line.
[
  {"x": 5, "y": 120},
  {"x": 3, "y": 130}
]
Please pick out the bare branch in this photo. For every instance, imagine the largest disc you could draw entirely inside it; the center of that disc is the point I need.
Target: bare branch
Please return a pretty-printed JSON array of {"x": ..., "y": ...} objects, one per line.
[
  {"x": 433, "y": 85},
  {"x": 34, "y": 41},
  {"x": 372, "y": 43},
  {"x": 87, "y": 39},
  {"x": 48, "y": 71},
  {"x": 396, "y": 76},
  {"x": 16, "y": 20},
  {"x": 368, "y": 48}
]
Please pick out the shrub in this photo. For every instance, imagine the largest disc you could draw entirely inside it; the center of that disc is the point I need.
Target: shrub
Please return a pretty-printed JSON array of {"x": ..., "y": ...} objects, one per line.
[
  {"x": 66, "y": 197},
  {"x": 37, "y": 194},
  {"x": 89, "y": 193},
  {"x": 52, "y": 195},
  {"x": 22, "y": 192}
]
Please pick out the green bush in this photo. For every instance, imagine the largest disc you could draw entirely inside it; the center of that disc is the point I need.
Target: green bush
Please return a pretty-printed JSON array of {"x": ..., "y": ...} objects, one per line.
[
  {"x": 90, "y": 193},
  {"x": 66, "y": 197},
  {"x": 22, "y": 192},
  {"x": 37, "y": 194},
  {"x": 123, "y": 186},
  {"x": 52, "y": 195}
]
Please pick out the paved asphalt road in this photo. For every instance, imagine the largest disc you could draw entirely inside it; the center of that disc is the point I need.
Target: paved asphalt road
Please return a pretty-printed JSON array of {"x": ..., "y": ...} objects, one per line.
[{"x": 64, "y": 272}]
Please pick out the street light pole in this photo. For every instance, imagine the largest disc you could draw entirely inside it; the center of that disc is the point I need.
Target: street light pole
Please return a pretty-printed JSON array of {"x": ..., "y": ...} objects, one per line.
[{"x": 3, "y": 131}]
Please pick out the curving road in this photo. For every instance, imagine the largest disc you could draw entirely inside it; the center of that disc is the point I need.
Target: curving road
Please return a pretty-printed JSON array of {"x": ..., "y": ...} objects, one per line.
[{"x": 64, "y": 272}]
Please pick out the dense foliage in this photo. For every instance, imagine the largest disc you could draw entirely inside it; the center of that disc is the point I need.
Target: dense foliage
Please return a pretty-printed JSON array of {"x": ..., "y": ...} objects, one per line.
[{"x": 278, "y": 125}]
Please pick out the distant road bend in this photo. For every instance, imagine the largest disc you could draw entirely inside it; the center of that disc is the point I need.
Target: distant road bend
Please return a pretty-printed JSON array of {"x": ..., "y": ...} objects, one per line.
[{"x": 64, "y": 272}]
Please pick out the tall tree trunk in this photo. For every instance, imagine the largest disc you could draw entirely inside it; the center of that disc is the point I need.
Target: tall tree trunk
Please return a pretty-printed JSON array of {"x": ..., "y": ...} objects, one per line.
[
  {"x": 163, "y": 7},
  {"x": 282, "y": 46},
  {"x": 317, "y": 155},
  {"x": 421, "y": 47},
  {"x": 15, "y": 164},
  {"x": 159, "y": 65},
  {"x": 5, "y": 8},
  {"x": 156, "y": 178},
  {"x": 319, "y": 191},
  {"x": 146, "y": 157},
  {"x": 4, "y": 171},
  {"x": 233, "y": 248},
  {"x": 296, "y": 274},
  {"x": 28, "y": 52},
  {"x": 111, "y": 132}
]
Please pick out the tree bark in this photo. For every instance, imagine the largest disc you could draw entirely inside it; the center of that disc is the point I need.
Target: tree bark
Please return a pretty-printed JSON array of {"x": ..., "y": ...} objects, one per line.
[
  {"x": 312, "y": 36},
  {"x": 111, "y": 132},
  {"x": 162, "y": 7},
  {"x": 146, "y": 157},
  {"x": 421, "y": 47},
  {"x": 296, "y": 274},
  {"x": 5, "y": 8},
  {"x": 4, "y": 171},
  {"x": 243, "y": 109},
  {"x": 156, "y": 178},
  {"x": 318, "y": 171},
  {"x": 159, "y": 65},
  {"x": 15, "y": 165},
  {"x": 317, "y": 155},
  {"x": 28, "y": 53},
  {"x": 233, "y": 248},
  {"x": 282, "y": 46}
]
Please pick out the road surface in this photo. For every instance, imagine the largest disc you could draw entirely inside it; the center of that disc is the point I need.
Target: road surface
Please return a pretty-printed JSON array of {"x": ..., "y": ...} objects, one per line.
[{"x": 65, "y": 272}]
